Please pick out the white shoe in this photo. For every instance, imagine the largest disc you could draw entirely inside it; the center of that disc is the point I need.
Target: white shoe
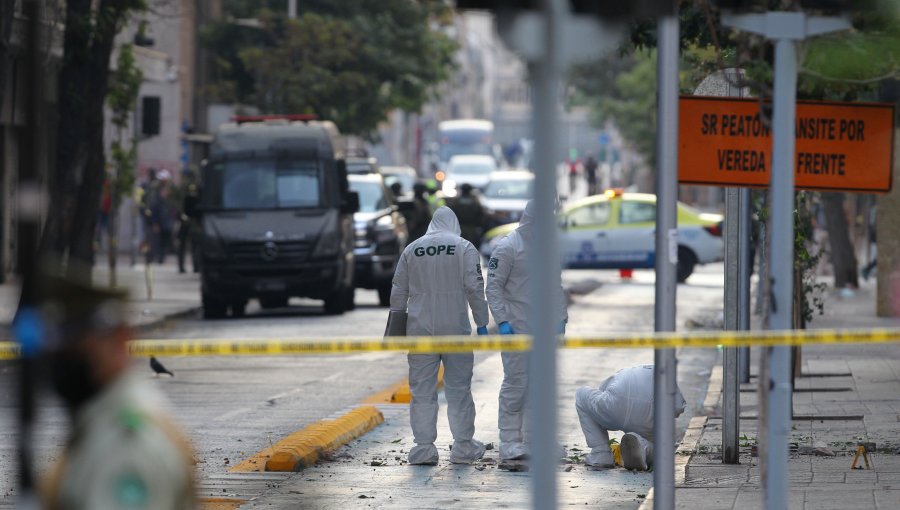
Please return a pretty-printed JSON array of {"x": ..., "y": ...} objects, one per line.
[
  {"x": 600, "y": 457},
  {"x": 513, "y": 451},
  {"x": 466, "y": 452},
  {"x": 423, "y": 455},
  {"x": 636, "y": 451}
]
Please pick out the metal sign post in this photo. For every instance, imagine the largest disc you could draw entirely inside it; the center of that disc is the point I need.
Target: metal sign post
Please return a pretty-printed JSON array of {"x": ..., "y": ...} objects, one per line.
[
  {"x": 664, "y": 380},
  {"x": 785, "y": 28},
  {"x": 543, "y": 265},
  {"x": 548, "y": 39}
]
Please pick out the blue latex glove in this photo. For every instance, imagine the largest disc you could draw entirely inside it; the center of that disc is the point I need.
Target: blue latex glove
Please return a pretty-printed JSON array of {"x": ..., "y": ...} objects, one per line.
[
  {"x": 482, "y": 330},
  {"x": 562, "y": 328},
  {"x": 505, "y": 329}
]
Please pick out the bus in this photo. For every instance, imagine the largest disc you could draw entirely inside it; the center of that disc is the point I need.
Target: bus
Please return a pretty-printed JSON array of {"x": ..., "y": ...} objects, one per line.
[{"x": 467, "y": 136}]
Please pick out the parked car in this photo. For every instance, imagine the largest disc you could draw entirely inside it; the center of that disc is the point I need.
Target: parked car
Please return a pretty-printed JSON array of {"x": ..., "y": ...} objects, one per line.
[
  {"x": 380, "y": 235},
  {"x": 615, "y": 230},
  {"x": 505, "y": 196},
  {"x": 276, "y": 217},
  {"x": 405, "y": 175},
  {"x": 472, "y": 169},
  {"x": 357, "y": 165}
]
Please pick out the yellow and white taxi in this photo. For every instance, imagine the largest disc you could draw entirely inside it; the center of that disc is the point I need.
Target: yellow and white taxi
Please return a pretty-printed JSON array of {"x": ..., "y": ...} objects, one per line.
[{"x": 617, "y": 230}]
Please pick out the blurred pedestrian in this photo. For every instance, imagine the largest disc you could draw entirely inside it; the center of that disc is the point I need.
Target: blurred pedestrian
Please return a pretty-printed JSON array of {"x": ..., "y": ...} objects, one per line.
[
  {"x": 162, "y": 219},
  {"x": 590, "y": 172},
  {"x": 469, "y": 211},
  {"x": 623, "y": 402},
  {"x": 437, "y": 280},
  {"x": 190, "y": 201},
  {"x": 122, "y": 451},
  {"x": 434, "y": 196},
  {"x": 420, "y": 216},
  {"x": 147, "y": 196},
  {"x": 572, "y": 164},
  {"x": 508, "y": 295}
]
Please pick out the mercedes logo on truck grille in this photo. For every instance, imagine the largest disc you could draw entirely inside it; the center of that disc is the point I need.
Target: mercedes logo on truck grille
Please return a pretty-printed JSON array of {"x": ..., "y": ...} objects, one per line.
[{"x": 269, "y": 251}]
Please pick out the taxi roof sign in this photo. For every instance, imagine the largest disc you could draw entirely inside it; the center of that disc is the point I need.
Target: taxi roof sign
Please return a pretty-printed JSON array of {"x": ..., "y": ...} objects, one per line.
[{"x": 839, "y": 146}]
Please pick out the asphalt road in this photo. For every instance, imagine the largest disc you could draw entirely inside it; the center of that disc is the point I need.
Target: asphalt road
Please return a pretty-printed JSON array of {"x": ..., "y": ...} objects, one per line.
[{"x": 234, "y": 407}]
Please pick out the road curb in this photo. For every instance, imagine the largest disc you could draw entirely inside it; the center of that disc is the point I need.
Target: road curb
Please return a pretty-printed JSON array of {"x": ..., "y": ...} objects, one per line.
[
  {"x": 399, "y": 393},
  {"x": 303, "y": 448},
  {"x": 161, "y": 320},
  {"x": 691, "y": 440}
]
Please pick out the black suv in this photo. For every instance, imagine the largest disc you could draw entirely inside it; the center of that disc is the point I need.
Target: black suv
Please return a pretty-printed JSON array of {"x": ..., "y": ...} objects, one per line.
[{"x": 380, "y": 233}]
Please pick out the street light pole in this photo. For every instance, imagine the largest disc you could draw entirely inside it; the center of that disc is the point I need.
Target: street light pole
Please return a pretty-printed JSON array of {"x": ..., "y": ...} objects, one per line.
[
  {"x": 664, "y": 375},
  {"x": 785, "y": 28}
]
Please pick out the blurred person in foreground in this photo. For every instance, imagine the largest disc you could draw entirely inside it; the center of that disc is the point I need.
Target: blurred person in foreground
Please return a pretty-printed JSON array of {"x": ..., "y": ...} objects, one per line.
[
  {"x": 470, "y": 213},
  {"x": 437, "y": 280},
  {"x": 122, "y": 451},
  {"x": 509, "y": 298},
  {"x": 623, "y": 402}
]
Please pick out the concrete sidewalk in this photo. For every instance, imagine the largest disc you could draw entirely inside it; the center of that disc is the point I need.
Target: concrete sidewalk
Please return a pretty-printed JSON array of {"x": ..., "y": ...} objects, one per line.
[
  {"x": 174, "y": 294},
  {"x": 845, "y": 395}
]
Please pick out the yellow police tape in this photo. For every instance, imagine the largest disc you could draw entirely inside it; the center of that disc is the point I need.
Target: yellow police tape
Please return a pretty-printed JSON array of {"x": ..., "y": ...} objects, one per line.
[{"x": 427, "y": 344}]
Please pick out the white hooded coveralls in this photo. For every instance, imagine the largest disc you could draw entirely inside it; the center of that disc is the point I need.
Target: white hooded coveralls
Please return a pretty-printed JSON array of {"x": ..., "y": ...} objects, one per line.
[
  {"x": 438, "y": 278},
  {"x": 508, "y": 295},
  {"x": 623, "y": 402}
]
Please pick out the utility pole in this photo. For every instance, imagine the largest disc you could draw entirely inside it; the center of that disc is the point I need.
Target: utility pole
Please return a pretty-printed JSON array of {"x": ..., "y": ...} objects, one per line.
[
  {"x": 785, "y": 29},
  {"x": 664, "y": 374},
  {"x": 26, "y": 326}
]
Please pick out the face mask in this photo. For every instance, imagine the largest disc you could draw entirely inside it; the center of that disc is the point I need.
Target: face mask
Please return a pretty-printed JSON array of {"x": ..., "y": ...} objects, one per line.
[{"x": 71, "y": 378}]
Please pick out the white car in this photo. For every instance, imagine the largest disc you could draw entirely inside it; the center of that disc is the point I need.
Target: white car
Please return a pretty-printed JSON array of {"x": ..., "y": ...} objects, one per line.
[
  {"x": 468, "y": 169},
  {"x": 616, "y": 230},
  {"x": 506, "y": 195}
]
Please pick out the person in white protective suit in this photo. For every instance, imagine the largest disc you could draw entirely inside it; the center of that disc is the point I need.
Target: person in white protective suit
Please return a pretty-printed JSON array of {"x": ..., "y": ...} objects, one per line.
[
  {"x": 437, "y": 279},
  {"x": 508, "y": 296},
  {"x": 623, "y": 402}
]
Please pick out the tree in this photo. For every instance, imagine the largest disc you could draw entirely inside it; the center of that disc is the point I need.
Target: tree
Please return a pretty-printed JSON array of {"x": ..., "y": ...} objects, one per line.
[
  {"x": 76, "y": 179},
  {"x": 351, "y": 62},
  {"x": 125, "y": 84},
  {"x": 845, "y": 66}
]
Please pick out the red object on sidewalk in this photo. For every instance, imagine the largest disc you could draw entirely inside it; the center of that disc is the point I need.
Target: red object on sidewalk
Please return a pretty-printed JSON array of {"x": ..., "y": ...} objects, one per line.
[{"x": 625, "y": 274}]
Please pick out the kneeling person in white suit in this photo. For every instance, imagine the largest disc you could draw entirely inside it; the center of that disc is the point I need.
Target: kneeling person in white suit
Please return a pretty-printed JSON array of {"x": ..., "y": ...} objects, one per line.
[{"x": 622, "y": 402}]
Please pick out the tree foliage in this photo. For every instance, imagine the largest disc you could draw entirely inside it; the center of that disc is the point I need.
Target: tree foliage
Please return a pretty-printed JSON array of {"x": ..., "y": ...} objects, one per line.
[
  {"x": 351, "y": 62},
  {"x": 842, "y": 66}
]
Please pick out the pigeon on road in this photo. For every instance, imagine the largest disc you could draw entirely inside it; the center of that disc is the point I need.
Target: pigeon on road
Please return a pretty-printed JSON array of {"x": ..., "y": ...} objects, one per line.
[{"x": 158, "y": 367}]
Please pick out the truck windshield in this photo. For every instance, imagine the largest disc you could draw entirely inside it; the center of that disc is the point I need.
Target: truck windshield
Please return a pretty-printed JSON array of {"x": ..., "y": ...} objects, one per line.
[{"x": 264, "y": 184}]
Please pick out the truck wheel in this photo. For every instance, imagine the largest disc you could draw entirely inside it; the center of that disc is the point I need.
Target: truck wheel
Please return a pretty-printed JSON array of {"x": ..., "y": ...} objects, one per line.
[
  {"x": 336, "y": 303},
  {"x": 238, "y": 308},
  {"x": 350, "y": 303},
  {"x": 686, "y": 262},
  {"x": 213, "y": 308},
  {"x": 384, "y": 294},
  {"x": 267, "y": 303}
]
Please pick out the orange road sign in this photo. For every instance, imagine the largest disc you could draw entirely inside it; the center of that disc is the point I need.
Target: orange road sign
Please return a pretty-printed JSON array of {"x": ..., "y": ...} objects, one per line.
[{"x": 839, "y": 146}]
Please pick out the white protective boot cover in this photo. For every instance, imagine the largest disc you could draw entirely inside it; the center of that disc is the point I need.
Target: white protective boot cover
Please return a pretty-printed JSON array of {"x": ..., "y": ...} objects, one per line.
[
  {"x": 513, "y": 450},
  {"x": 637, "y": 452},
  {"x": 423, "y": 455},
  {"x": 600, "y": 457},
  {"x": 466, "y": 452}
]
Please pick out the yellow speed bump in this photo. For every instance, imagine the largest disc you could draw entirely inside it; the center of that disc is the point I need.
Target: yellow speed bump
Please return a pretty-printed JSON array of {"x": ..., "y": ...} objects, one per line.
[
  {"x": 304, "y": 447},
  {"x": 399, "y": 393}
]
